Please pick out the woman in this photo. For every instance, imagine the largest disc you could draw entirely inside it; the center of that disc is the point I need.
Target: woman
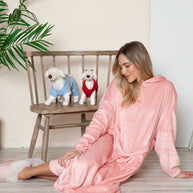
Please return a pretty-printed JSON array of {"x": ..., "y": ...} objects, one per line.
[{"x": 137, "y": 113}]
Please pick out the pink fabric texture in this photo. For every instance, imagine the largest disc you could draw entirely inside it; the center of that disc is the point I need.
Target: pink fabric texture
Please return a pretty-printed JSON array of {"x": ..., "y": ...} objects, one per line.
[
  {"x": 4, "y": 167},
  {"x": 118, "y": 139}
]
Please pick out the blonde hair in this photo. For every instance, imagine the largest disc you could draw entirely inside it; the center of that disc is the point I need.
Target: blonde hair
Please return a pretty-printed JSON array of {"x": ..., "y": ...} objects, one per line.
[{"x": 138, "y": 55}]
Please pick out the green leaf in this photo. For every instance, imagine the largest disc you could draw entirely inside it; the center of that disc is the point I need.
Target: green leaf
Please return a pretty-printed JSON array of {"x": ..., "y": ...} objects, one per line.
[
  {"x": 47, "y": 31},
  {"x": 32, "y": 33},
  {"x": 9, "y": 60},
  {"x": 16, "y": 15},
  {"x": 16, "y": 59},
  {"x": 39, "y": 30},
  {"x": 12, "y": 36},
  {"x": 4, "y": 62},
  {"x": 3, "y": 15},
  {"x": 4, "y": 21},
  {"x": 31, "y": 18},
  {"x": 19, "y": 51},
  {"x": 45, "y": 43},
  {"x": 3, "y": 4},
  {"x": 25, "y": 34},
  {"x": 19, "y": 22},
  {"x": 21, "y": 28},
  {"x": 2, "y": 10},
  {"x": 30, "y": 15},
  {"x": 37, "y": 46}
]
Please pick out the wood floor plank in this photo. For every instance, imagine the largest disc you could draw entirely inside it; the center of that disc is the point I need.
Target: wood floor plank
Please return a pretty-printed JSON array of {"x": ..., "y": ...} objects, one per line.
[{"x": 150, "y": 177}]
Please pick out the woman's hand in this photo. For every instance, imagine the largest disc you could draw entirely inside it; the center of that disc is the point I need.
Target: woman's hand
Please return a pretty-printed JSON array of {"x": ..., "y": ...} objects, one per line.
[
  {"x": 185, "y": 174},
  {"x": 68, "y": 155}
]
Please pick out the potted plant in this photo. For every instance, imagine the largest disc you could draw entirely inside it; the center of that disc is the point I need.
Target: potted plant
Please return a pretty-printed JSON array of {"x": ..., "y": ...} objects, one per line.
[{"x": 17, "y": 30}]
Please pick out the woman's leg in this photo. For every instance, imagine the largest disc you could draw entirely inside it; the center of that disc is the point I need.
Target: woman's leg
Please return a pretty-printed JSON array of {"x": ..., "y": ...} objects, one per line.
[
  {"x": 52, "y": 178},
  {"x": 94, "y": 158},
  {"x": 83, "y": 168},
  {"x": 42, "y": 171}
]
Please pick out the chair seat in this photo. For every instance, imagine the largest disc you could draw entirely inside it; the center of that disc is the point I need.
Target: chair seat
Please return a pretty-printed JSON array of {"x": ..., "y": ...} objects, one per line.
[{"x": 58, "y": 108}]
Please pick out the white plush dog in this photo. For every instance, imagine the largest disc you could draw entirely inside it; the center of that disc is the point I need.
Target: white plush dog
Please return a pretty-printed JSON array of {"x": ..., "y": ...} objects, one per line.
[
  {"x": 62, "y": 85},
  {"x": 89, "y": 87}
]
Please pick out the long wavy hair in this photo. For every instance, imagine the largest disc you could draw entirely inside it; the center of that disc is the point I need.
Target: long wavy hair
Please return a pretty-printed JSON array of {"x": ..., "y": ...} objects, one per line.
[{"x": 138, "y": 55}]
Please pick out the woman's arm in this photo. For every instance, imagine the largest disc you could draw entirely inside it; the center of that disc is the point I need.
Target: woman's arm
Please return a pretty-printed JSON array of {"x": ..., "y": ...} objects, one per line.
[
  {"x": 101, "y": 119},
  {"x": 97, "y": 127},
  {"x": 166, "y": 133}
]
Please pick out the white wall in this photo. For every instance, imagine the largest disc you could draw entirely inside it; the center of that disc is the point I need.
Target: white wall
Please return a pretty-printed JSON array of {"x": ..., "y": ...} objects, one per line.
[
  {"x": 172, "y": 51},
  {"x": 79, "y": 25}
]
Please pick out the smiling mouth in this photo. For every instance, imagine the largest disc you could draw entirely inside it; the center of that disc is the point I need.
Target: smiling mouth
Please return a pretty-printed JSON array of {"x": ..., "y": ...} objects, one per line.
[{"x": 127, "y": 76}]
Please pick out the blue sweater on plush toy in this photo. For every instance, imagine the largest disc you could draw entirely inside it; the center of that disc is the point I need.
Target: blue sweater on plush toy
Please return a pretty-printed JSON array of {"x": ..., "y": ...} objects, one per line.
[{"x": 70, "y": 87}]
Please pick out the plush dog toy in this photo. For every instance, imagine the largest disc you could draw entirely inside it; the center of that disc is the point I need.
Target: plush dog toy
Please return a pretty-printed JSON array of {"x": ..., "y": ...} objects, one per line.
[
  {"x": 62, "y": 85},
  {"x": 89, "y": 87}
]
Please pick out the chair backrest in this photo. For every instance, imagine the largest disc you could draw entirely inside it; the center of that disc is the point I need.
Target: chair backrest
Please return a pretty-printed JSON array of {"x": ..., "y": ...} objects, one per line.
[{"x": 71, "y": 62}]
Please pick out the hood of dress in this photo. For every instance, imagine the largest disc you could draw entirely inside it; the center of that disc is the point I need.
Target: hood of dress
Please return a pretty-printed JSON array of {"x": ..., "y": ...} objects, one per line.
[{"x": 153, "y": 80}]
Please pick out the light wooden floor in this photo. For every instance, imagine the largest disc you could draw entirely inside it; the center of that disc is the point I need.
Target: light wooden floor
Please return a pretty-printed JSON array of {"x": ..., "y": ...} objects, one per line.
[{"x": 150, "y": 178}]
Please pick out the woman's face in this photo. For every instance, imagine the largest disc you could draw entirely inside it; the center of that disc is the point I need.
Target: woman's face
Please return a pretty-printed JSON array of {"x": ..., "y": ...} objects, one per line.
[{"x": 128, "y": 70}]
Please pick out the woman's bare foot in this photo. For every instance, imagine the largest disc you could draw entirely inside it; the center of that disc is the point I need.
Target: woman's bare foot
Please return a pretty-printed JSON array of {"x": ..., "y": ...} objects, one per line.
[
  {"x": 42, "y": 171},
  {"x": 24, "y": 174}
]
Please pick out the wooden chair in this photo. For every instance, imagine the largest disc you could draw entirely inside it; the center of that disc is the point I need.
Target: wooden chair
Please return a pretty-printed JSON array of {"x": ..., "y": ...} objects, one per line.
[{"x": 74, "y": 63}]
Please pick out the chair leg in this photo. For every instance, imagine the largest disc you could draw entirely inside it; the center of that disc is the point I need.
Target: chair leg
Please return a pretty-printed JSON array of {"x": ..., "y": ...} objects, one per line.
[
  {"x": 45, "y": 138},
  {"x": 191, "y": 142},
  {"x": 35, "y": 135},
  {"x": 83, "y": 118}
]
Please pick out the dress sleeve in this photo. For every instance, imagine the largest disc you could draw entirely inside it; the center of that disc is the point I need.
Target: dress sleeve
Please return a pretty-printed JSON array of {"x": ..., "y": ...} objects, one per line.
[
  {"x": 100, "y": 122},
  {"x": 166, "y": 134}
]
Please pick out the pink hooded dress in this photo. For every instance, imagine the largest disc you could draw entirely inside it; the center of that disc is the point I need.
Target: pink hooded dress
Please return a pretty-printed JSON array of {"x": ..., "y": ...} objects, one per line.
[{"x": 118, "y": 140}]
